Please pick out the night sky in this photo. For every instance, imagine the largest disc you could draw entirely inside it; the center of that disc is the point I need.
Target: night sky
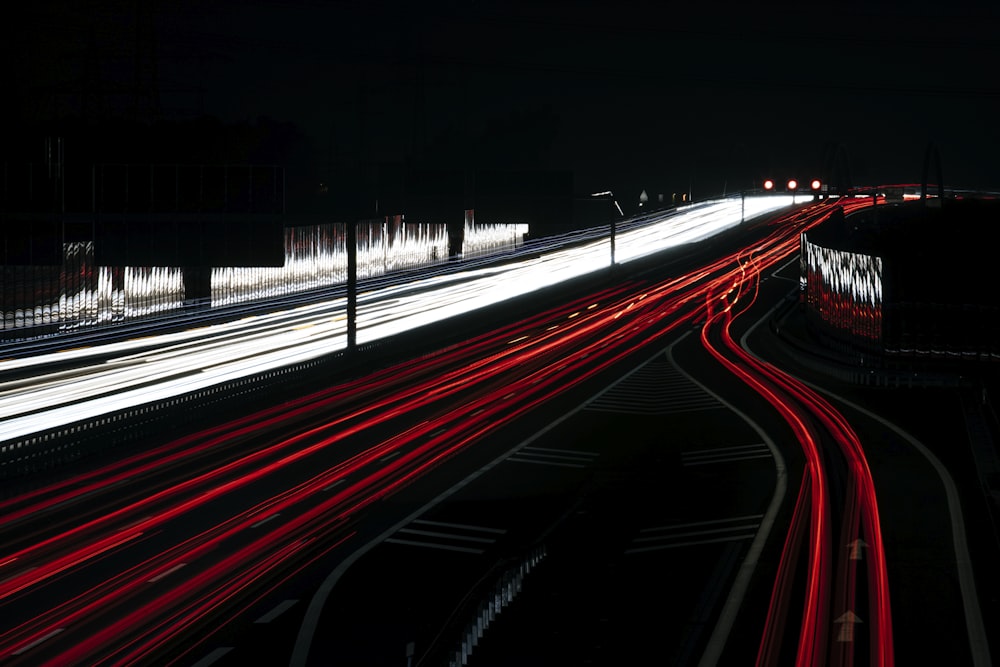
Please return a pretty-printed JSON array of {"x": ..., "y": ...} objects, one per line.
[{"x": 628, "y": 96}]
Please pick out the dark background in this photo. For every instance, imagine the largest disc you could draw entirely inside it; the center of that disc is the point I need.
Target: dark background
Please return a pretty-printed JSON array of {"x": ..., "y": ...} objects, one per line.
[{"x": 703, "y": 98}]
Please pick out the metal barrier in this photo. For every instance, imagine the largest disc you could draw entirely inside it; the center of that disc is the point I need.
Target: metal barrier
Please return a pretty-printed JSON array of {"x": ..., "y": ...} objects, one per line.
[
  {"x": 480, "y": 607},
  {"x": 49, "y": 449}
]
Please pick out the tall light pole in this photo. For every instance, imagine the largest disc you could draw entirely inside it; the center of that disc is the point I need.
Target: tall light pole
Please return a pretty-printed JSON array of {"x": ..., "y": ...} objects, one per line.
[{"x": 609, "y": 194}]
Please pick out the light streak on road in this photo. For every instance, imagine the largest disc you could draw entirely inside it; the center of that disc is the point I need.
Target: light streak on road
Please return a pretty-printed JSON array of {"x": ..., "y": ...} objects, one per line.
[
  {"x": 809, "y": 415},
  {"x": 118, "y": 589},
  {"x": 162, "y": 366}
]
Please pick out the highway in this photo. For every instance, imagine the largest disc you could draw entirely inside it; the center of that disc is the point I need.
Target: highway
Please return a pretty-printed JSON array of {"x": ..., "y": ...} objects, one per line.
[
  {"x": 149, "y": 558},
  {"x": 99, "y": 379}
]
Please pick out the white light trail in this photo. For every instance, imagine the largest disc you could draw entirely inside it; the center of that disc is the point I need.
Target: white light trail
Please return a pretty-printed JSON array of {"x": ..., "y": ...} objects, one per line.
[{"x": 158, "y": 367}]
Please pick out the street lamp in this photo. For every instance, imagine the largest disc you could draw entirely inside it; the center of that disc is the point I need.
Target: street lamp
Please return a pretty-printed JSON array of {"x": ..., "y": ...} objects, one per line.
[{"x": 609, "y": 194}]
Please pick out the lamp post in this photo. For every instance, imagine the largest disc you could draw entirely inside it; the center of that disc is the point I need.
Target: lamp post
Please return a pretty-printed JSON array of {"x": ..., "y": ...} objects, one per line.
[{"x": 610, "y": 195}]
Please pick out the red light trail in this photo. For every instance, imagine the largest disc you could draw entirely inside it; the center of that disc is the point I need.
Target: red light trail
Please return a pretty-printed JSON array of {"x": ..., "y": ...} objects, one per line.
[{"x": 811, "y": 418}]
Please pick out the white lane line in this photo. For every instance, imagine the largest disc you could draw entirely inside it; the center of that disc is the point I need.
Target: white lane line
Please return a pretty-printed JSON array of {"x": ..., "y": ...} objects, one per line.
[
  {"x": 266, "y": 519},
  {"x": 710, "y": 522},
  {"x": 556, "y": 450},
  {"x": 161, "y": 575},
  {"x": 546, "y": 455},
  {"x": 276, "y": 612},
  {"x": 467, "y": 526},
  {"x": 728, "y": 459},
  {"x": 546, "y": 463},
  {"x": 453, "y": 536},
  {"x": 693, "y": 533},
  {"x": 735, "y": 448},
  {"x": 38, "y": 641},
  {"x": 431, "y": 545},
  {"x": 333, "y": 484},
  {"x": 676, "y": 545},
  {"x": 389, "y": 456}
]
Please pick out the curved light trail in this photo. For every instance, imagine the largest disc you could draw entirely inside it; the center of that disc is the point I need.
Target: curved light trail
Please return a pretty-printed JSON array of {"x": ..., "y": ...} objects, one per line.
[{"x": 809, "y": 416}]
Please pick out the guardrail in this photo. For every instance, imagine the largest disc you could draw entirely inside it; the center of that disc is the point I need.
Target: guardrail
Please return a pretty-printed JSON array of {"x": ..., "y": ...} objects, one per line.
[{"x": 482, "y": 605}]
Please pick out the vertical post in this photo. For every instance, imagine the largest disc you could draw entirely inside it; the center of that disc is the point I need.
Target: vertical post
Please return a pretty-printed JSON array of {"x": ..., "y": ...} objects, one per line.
[
  {"x": 352, "y": 285},
  {"x": 613, "y": 222}
]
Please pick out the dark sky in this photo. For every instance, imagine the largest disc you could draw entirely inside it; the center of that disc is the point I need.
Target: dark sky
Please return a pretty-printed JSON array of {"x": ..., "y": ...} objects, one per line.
[{"x": 627, "y": 95}]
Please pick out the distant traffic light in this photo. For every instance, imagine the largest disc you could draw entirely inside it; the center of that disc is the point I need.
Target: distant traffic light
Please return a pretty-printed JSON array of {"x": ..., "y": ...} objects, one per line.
[{"x": 768, "y": 184}]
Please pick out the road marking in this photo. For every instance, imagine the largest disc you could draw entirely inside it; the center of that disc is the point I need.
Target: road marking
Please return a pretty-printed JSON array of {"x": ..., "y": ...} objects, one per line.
[
  {"x": 389, "y": 456},
  {"x": 655, "y": 388},
  {"x": 338, "y": 482},
  {"x": 677, "y": 535},
  {"x": 546, "y": 463},
  {"x": 580, "y": 452},
  {"x": 567, "y": 458},
  {"x": 676, "y": 545},
  {"x": 726, "y": 454},
  {"x": 711, "y": 522},
  {"x": 434, "y": 537},
  {"x": 38, "y": 641},
  {"x": 431, "y": 545},
  {"x": 737, "y": 448},
  {"x": 847, "y": 621},
  {"x": 453, "y": 536},
  {"x": 568, "y": 455},
  {"x": 266, "y": 519},
  {"x": 856, "y": 548},
  {"x": 485, "y": 529},
  {"x": 168, "y": 572},
  {"x": 693, "y": 533},
  {"x": 276, "y": 612}
]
